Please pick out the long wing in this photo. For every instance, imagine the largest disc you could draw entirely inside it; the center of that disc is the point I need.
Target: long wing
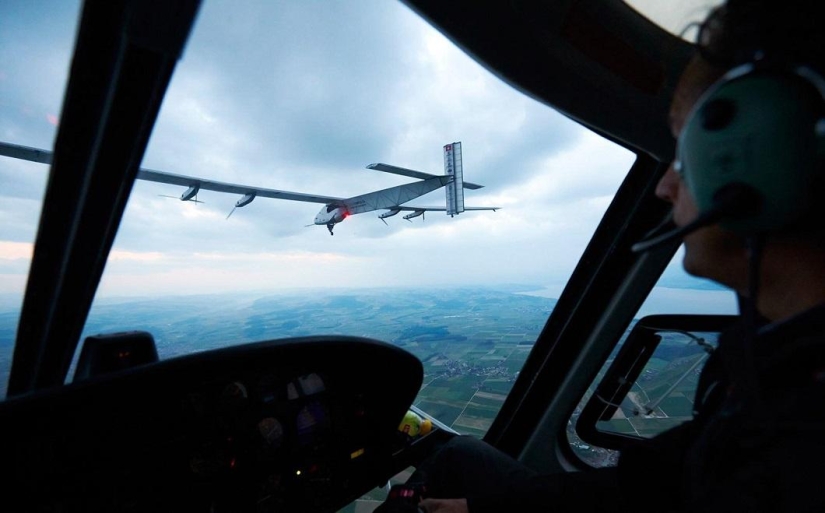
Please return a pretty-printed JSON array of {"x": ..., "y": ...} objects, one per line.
[
  {"x": 25, "y": 153},
  {"x": 211, "y": 185},
  {"x": 394, "y": 196},
  {"x": 45, "y": 157},
  {"x": 386, "y": 168},
  {"x": 441, "y": 209}
]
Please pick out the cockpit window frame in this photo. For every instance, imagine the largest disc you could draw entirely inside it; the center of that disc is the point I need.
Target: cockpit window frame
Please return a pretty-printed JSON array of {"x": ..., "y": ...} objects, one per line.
[
  {"x": 123, "y": 60},
  {"x": 625, "y": 370}
]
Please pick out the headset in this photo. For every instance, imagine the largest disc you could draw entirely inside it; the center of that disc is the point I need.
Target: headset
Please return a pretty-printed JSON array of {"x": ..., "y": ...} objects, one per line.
[{"x": 752, "y": 151}]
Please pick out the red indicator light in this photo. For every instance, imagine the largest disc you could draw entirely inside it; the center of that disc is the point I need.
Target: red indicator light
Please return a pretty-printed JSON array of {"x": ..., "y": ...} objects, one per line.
[{"x": 232, "y": 463}]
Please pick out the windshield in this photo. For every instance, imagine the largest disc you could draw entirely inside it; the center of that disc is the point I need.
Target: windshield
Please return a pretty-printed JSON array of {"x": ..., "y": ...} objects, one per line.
[
  {"x": 36, "y": 42},
  {"x": 302, "y": 97}
]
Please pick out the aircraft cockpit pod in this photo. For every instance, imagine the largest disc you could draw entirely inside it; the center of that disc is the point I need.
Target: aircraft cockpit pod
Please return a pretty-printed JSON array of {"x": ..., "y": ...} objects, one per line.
[{"x": 326, "y": 214}]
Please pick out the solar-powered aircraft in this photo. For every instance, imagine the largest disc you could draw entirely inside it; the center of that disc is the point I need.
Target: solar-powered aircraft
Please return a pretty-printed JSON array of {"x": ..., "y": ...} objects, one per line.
[{"x": 335, "y": 210}]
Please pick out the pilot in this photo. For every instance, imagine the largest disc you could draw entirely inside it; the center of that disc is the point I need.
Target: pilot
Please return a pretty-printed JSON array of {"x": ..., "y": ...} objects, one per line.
[{"x": 750, "y": 165}]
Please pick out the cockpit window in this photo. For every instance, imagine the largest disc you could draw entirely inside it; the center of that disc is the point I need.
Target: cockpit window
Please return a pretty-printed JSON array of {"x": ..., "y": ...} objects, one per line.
[
  {"x": 289, "y": 97},
  {"x": 293, "y": 98},
  {"x": 36, "y": 42},
  {"x": 662, "y": 396}
]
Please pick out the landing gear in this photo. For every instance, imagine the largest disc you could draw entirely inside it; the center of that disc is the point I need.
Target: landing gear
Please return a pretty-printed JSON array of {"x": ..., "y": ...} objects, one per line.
[{"x": 329, "y": 226}]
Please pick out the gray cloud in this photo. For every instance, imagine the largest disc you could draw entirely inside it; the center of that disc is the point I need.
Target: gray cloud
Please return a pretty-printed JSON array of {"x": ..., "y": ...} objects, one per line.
[
  {"x": 304, "y": 90},
  {"x": 21, "y": 179},
  {"x": 34, "y": 65}
]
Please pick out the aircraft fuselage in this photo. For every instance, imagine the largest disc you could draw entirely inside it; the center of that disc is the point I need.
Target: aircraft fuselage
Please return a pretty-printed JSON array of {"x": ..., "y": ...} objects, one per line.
[{"x": 331, "y": 214}]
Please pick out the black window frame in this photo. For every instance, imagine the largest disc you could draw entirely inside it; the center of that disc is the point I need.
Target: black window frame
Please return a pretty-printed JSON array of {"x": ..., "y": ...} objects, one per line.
[{"x": 631, "y": 359}]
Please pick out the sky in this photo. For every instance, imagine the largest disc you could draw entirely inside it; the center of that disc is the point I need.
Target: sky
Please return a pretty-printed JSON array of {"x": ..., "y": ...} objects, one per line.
[{"x": 301, "y": 96}]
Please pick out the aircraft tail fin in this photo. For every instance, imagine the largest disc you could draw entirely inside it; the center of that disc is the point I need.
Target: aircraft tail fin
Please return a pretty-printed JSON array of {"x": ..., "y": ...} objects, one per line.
[{"x": 453, "y": 168}]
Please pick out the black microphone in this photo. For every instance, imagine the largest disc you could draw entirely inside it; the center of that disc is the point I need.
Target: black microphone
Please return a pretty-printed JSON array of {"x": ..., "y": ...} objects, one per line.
[
  {"x": 734, "y": 200},
  {"x": 657, "y": 239}
]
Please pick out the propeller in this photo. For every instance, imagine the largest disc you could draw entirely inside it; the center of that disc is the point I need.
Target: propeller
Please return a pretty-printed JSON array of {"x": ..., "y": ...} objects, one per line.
[
  {"x": 231, "y": 211},
  {"x": 383, "y": 220}
]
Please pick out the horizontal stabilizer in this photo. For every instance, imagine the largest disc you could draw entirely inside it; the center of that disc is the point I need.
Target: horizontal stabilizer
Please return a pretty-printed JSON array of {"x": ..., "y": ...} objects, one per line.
[
  {"x": 386, "y": 168},
  {"x": 444, "y": 209}
]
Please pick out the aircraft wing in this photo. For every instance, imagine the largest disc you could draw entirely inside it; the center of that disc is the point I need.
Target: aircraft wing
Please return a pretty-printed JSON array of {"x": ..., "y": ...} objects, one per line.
[
  {"x": 16, "y": 151},
  {"x": 386, "y": 168},
  {"x": 394, "y": 196},
  {"x": 441, "y": 209},
  {"x": 45, "y": 157},
  {"x": 211, "y": 185},
  {"x": 384, "y": 199}
]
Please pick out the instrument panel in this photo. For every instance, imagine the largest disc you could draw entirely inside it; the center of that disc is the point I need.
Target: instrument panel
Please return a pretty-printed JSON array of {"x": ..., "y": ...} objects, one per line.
[{"x": 291, "y": 425}]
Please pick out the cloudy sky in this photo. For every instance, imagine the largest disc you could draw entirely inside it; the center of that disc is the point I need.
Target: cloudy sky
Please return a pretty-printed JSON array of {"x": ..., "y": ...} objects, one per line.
[{"x": 301, "y": 96}]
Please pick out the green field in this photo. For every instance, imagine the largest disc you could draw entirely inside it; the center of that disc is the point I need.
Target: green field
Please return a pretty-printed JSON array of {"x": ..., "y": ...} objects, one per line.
[
  {"x": 677, "y": 406},
  {"x": 497, "y": 386},
  {"x": 486, "y": 402},
  {"x": 617, "y": 426},
  {"x": 446, "y": 413}
]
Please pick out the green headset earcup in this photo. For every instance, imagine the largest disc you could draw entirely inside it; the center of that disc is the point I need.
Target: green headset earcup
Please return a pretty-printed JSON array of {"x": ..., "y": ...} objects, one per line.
[{"x": 758, "y": 129}]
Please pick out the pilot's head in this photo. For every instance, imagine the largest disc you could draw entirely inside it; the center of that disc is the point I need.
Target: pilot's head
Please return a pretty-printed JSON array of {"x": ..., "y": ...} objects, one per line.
[{"x": 780, "y": 35}]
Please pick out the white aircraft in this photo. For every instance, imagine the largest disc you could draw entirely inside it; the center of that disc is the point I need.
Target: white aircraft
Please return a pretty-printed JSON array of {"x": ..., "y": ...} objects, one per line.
[{"x": 335, "y": 210}]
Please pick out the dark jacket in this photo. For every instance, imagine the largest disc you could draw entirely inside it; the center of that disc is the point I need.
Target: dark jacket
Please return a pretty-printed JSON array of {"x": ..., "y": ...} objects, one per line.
[{"x": 754, "y": 444}]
